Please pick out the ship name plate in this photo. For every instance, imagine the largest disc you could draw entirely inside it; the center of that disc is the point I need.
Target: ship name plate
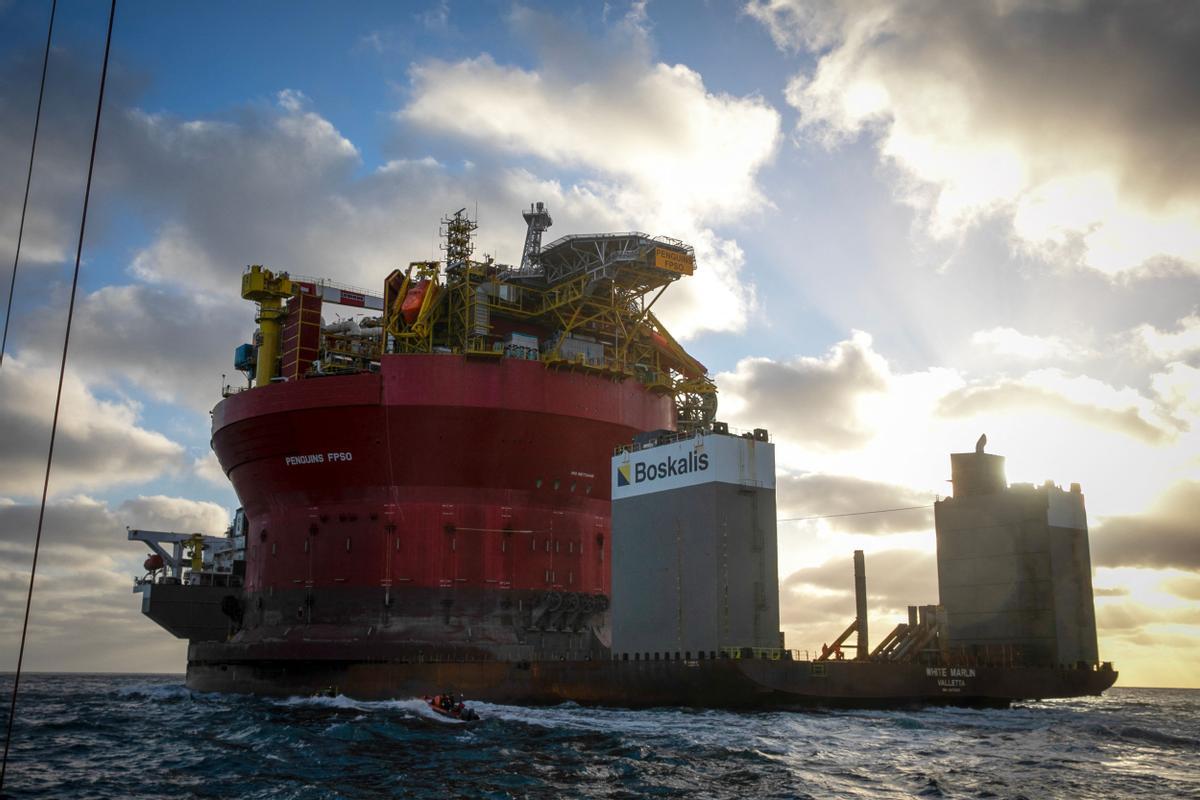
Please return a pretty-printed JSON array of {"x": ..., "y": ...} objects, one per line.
[
  {"x": 951, "y": 680},
  {"x": 331, "y": 457}
]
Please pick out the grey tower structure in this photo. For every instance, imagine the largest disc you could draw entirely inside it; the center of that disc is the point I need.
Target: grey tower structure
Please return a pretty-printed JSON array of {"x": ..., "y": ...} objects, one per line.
[
  {"x": 694, "y": 561},
  {"x": 1014, "y": 568}
]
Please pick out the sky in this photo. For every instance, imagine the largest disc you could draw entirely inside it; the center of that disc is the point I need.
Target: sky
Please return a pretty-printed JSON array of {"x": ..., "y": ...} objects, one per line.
[{"x": 915, "y": 222}]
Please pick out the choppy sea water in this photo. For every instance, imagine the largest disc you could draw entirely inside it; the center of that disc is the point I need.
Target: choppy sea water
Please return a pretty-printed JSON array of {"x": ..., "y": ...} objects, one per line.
[{"x": 138, "y": 736}]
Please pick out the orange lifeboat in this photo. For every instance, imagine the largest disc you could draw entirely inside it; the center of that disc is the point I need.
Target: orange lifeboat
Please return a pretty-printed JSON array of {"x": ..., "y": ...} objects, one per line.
[{"x": 411, "y": 306}]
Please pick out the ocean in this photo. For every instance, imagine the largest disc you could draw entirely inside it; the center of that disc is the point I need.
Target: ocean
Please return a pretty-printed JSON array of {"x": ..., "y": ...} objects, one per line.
[{"x": 147, "y": 736}]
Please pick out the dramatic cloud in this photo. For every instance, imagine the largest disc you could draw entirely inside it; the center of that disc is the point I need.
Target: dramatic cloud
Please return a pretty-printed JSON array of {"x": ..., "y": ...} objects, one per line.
[
  {"x": 652, "y": 128},
  {"x": 655, "y": 145},
  {"x": 812, "y": 494},
  {"x": 1013, "y": 395},
  {"x": 100, "y": 442},
  {"x": 853, "y": 412},
  {"x": 813, "y": 400},
  {"x": 996, "y": 107},
  {"x": 285, "y": 193},
  {"x": 276, "y": 185},
  {"x": 1167, "y": 535},
  {"x": 84, "y": 614}
]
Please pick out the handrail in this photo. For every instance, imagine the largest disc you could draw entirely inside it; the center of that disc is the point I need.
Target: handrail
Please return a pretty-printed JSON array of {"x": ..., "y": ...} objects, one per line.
[
  {"x": 333, "y": 285},
  {"x": 679, "y": 436},
  {"x": 667, "y": 240}
]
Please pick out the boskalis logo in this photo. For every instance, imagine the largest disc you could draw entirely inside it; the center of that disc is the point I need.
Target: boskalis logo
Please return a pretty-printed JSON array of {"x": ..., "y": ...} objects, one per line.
[
  {"x": 667, "y": 468},
  {"x": 623, "y": 475}
]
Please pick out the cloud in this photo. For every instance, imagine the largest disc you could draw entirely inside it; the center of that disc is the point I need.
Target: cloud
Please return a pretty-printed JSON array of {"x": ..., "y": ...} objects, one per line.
[
  {"x": 437, "y": 17},
  {"x": 99, "y": 443},
  {"x": 1011, "y": 395},
  {"x": 84, "y": 527},
  {"x": 1167, "y": 345},
  {"x": 1185, "y": 587},
  {"x": 1166, "y": 535},
  {"x": 810, "y": 399},
  {"x": 208, "y": 468},
  {"x": 251, "y": 189},
  {"x": 653, "y": 128},
  {"x": 851, "y": 411},
  {"x": 410, "y": 36},
  {"x": 84, "y": 616},
  {"x": 286, "y": 193},
  {"x": 1131, "y": 618},
  {"x": 1177, "y": 390},
  {"x": 161, "y": 513},
  {"x": 995, "y": 108},
  {"x": 813, "y": 493},
  {"x": 651, "y": 143},
  {"x": 171, "y": 343},
  {"x": 1010, "y": 342},
  {"x": 64, "y": 139}
]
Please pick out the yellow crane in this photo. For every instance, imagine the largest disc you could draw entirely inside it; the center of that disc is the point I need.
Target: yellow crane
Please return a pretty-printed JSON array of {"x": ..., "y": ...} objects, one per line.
[{"x": 269, "y": 290}]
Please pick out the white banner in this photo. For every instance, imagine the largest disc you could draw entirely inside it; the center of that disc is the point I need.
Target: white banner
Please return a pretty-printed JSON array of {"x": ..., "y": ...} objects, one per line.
[{"x": 702, "y": 459}]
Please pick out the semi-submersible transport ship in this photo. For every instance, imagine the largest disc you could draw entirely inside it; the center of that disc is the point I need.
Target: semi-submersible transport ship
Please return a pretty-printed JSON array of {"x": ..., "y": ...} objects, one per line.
[{"x": 509, "y": 482}]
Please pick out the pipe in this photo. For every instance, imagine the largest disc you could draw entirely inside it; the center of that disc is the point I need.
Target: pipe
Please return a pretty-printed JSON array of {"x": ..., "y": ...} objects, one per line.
[{"x": 860, "y": 604}]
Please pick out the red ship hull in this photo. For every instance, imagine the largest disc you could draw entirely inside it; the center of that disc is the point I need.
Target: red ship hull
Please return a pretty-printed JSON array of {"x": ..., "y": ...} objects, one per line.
[{"x": 444, "y": 501}]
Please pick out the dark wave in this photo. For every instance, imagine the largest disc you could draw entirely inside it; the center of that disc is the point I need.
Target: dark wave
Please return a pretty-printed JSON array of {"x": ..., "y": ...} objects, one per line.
[{"x": 100, "y": 736}]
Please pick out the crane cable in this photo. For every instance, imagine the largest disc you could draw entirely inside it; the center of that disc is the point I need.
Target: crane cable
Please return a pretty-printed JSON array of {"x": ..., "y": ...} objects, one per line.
[
  {"x": 853, "y": 513},
  {"x": 12, "y": 709},
  {"x": 37, "y": 121}
]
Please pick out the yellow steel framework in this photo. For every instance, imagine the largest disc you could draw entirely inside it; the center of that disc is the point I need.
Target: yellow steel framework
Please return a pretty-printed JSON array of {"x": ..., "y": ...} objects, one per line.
[
  {"x": 587, "y": 299},
  {"x": 596, "y": 290}
]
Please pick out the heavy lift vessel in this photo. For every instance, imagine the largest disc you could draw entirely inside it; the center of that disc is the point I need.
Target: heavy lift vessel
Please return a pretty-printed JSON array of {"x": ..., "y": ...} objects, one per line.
[{"x": 427, "y": 492}]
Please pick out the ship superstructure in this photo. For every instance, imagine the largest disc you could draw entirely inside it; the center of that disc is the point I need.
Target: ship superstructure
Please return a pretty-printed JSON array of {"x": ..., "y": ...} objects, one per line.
[{"x": 583, "y": 303}]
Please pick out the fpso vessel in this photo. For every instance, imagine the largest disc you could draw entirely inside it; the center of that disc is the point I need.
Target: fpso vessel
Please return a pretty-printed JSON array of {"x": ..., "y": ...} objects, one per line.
[
  {"x": 430, "y": 485},
  {"x": 427, "y": 492}
]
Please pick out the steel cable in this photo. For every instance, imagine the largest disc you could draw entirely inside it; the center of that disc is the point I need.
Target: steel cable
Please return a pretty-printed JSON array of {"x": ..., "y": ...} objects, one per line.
[
  {"x": 853, "y": 513},
  {"x": 37, "y": 121},
  {"x": 62, "y": 369}
]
